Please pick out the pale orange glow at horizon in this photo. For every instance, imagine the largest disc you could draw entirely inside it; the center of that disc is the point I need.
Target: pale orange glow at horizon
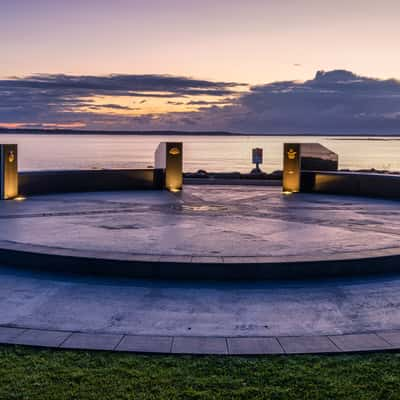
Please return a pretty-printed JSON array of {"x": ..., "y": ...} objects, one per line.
[{"x": 147, "y": 105}]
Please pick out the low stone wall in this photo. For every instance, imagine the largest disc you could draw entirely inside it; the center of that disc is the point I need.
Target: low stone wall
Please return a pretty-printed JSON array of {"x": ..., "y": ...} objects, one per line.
[
  {"x": 352, "y": 183},
  {"x": 42, "y": 182}
]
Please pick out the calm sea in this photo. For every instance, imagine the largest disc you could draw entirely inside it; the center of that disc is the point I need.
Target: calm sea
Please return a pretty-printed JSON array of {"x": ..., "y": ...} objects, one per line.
[{"x": 212, "y": 153}]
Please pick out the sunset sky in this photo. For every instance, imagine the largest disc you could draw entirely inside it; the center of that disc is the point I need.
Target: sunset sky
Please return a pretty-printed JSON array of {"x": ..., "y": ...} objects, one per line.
[{"x": 200, "y": 65}]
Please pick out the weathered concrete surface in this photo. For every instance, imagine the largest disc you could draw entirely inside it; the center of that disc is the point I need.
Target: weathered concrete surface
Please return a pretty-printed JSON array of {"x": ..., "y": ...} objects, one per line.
[
  {"x": 205, "y": 221},
  {"x": 116, "y": 306},
  {"x": 201, "y": 222}
]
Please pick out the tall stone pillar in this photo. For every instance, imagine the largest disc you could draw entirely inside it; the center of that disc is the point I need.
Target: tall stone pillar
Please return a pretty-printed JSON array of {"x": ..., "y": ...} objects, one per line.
[
  {"x": 169, "y": 160},
  {"x": 301, "y": 160},
  {"x": 8, "y": 171},
  {"x": 291, "y": 167}
]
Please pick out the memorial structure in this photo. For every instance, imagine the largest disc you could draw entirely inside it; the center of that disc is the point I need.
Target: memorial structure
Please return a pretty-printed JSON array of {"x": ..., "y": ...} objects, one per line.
[
  {"x": 167, "y": 174},
  {"x": 8, "y": 171},
  {"x": 312, "y": 168},
  {"x": 300, "y": 157},
  {"x": 169, "y": 164}
]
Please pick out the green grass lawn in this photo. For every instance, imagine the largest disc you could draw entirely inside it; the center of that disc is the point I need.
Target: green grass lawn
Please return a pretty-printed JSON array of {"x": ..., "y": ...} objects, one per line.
[{"x": 54, "y": 374}]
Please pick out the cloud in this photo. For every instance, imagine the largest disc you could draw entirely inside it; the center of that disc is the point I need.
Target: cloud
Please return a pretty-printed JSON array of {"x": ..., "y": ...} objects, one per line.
[
  {"x": 120, "y": 85},
  {"x": 44, "y": 99},
  {"x": 209, "y": 103},
  {"x": 114, "y": 107},
  {"x": 336, "y": 102},
  {"x": 176, "y": 103}
]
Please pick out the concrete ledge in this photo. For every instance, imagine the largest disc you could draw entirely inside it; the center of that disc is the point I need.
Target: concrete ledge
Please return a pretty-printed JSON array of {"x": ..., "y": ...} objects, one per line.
[
  {"x": 43, "y": 182},
  {"x": 150, "y": 266},
  {"x": 232, "y": 181},
  {"x": 352, "y": 183},
  {"x": 252, "y": 345}
]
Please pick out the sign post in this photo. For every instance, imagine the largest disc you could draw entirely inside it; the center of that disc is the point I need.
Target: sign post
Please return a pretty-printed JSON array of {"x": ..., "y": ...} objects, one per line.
[{"x": 257, "y": 159}]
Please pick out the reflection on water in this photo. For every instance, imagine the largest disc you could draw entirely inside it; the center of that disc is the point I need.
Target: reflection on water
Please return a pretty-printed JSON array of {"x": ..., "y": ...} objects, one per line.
[{"x": 216, "y": 153}]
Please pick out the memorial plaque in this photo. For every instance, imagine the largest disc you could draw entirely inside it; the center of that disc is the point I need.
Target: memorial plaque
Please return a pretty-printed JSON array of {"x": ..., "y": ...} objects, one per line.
[
  {"x": 169, "y": 160},
  {"x": 8, "y": 171}
]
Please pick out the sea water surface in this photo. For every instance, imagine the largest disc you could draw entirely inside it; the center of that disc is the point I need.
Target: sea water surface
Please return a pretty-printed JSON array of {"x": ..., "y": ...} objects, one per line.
[{"x": 211, "y": 153}]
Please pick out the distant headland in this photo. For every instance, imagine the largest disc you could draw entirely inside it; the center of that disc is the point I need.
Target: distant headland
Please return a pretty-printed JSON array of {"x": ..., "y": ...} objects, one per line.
[
  {"x": 52, "y": 131},
  {"x": 113, "y": 132}
]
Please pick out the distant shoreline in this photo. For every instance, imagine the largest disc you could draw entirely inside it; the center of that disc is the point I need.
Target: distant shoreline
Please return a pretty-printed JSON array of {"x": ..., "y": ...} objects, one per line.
[{"x": 362, "y": 136}]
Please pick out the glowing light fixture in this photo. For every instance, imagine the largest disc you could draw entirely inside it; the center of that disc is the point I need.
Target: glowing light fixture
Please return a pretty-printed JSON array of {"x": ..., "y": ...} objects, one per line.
[
  {"x": 174, "y": 151},
  {"x": 19, "y": 198}
]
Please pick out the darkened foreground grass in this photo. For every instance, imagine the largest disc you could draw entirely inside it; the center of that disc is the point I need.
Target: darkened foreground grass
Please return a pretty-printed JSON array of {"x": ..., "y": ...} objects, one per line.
[{"x": 45, "y": 374}]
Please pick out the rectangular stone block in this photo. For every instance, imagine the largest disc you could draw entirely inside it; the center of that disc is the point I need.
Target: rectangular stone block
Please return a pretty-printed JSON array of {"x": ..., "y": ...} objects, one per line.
[
  {"x": 307, "y": 344},
  {"x": 254, "y": 345},
  {"x": 360, "y": 342},
  {"x": 391, "y": 337},
  {"x": 92, "y": 341},
  {"x": 146, "y": 344},
  {"x": 34, "y": 337},
  {"x": 199, "y": 345},
  {"x": 207, "y": 260},
  {"x": 8, "y": 335},
  {"x": 176, "y": 259}
]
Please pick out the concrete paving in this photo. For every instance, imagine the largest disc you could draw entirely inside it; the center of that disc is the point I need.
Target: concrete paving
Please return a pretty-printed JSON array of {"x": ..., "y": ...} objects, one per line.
[
  {"x": 206, "y": 221},
  {"x": 40, "y": 301},
  {"x": 99, "y": 341},
  {"x": 42, "y": 338},
  {"x": 254, "y": 346},
  {"x": 51, "y": 310},
  {"x": 66, "y": 311},
  {"x": 146, "y": 344},
  {"x": 200, "y": 345}
]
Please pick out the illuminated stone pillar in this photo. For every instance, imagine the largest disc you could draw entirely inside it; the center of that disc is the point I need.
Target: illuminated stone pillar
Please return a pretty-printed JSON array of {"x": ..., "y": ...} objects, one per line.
[
  {"x": 8, "y": 171},
  {"x": 169, "y": 159},
  {"x": 291, "y": 167},
  {"x": 301, "y": 160}
]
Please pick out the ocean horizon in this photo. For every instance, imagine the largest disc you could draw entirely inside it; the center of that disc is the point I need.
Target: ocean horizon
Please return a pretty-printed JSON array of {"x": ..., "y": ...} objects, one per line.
[{"x": 213, "y": 153}]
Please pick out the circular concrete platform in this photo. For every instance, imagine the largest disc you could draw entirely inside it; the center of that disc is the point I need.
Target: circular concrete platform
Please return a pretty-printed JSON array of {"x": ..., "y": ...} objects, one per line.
[{"x": 205, "y": 232}]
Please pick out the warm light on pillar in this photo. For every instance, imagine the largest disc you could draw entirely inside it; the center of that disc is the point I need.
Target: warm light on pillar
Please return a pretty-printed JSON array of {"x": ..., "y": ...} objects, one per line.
[
  {"x": 169, "y": 159},
  {"x": 291, "y": 168},
  {"x": 8, "y": 171},
  {"x": 301, "y": 161}
]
